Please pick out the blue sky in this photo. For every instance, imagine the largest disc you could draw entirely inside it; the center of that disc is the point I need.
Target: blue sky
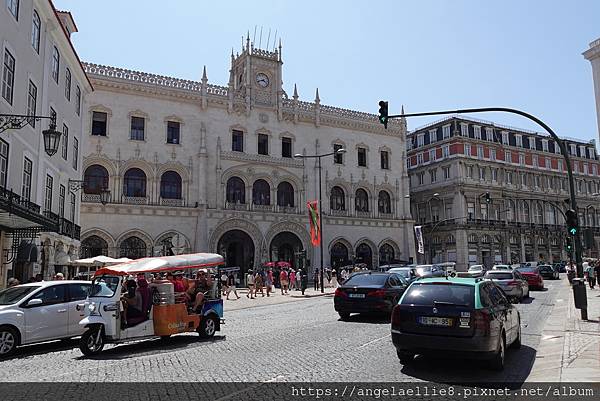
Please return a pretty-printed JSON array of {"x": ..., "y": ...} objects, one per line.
[{"x": 425, "y": 54}]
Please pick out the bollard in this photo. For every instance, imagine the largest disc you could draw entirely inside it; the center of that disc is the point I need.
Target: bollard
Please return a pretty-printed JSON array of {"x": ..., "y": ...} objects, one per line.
[{"x": 580, "y": 297}]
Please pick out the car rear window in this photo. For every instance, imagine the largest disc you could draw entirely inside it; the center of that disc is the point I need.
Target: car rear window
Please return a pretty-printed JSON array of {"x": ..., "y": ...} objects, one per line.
[
  {"x": 499, "y": 276},
  {"x": 528, "y": 269},
  {"x": 427, "y": 294},
  {"x": 367, "y": 279}
]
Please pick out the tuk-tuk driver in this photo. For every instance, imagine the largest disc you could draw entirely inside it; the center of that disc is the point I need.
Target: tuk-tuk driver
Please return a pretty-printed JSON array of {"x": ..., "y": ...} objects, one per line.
[{"x": 201, "y": 284}]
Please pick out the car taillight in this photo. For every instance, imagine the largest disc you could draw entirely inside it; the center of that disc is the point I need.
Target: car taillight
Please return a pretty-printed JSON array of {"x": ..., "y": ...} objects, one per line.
[
  {"x": 377, "y": 293},
  {"x": 396, "y": 316},
  {"x": 481, "y": 320},
  {"x": 340, "y": 293}
]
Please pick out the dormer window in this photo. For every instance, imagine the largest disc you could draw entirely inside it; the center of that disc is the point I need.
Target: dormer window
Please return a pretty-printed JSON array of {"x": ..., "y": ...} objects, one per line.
[
  {"x": 477, "y": 131},
  {"x": 432, "y": 136},
  {"x": 464, "y": 129}
]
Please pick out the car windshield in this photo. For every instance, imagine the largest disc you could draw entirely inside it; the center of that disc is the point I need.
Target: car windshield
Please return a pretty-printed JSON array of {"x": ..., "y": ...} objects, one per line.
[
  {"x": 439, "y": 293},
  {"x": 545, "y": 267},
  {"x": 104, "y": 286},
  {"x": 528, "y": 269},
  {"x": 499, "y": 276},
  {"x": 13, "y": 295},
  {"x": 366, "y": 279},
  {"x": 472, "y": 268}
]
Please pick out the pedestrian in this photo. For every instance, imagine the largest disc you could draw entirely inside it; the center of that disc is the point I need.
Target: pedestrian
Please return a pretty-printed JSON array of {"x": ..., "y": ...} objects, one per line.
[
  {"x": 298, "y": 279},
  {"x": 292, "y": 280},
  {"x": 283, "y": 279},
  {"x": 589, "y": 273},
  {"x": 334, "y": 282},
  {"x": 231, "y": 286},
  {"x": 303, "y": 280},
  {"x": 269, "y": 282},
  {"x": 316, "y": 278},
  {"x": 250, "y": 282},
  {"x": 328, "y": 272},
  {"x": 223, "y": 280},
  {"x": 258, "y": 284},
  {"x": 59, "y": 276},
  {"x": 597, "y": 272}
]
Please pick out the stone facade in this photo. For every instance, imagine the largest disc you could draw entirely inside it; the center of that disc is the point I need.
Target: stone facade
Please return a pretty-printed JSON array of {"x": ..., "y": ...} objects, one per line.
[
  {"x": 593, "y": 55},
  {"x": 42, "y": 75},
  {"x": 455, "y": 162},
  {"x": 212, "y": 168}
]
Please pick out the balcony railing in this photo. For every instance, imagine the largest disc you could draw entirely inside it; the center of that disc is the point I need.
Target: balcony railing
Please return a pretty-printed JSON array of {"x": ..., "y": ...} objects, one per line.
[
  {"x": 137, "y": 200},
  {"x": 68, "y": 228}
]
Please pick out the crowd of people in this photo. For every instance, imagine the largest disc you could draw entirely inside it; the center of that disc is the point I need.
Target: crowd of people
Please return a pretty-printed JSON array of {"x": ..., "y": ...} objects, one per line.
[{"x": 266, "y": 281}]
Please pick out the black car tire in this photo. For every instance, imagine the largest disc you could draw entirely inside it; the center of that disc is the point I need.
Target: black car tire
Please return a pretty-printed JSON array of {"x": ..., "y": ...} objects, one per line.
[
  {"x": 497, "y": 362},
  {"x": 344, "y": 315},
  {"x": 405, "y": 357},
  {"x": 10, "y": 340},
  {"x": 517, "y": 343},
  {"x": 208, "y": 327}
]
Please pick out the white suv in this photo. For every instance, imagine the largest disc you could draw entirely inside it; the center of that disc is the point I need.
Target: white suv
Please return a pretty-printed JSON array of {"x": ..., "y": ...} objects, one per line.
[{"x": 36, "y": 312}]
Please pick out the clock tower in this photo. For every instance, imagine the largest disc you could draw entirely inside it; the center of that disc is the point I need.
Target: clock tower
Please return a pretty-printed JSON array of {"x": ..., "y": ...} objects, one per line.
[{"x": 255, "y": 76}]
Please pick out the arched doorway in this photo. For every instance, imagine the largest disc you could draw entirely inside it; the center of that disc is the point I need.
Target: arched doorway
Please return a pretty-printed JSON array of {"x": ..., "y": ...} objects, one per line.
[
  {"x": 237, "y": 248},
  {"x": 285, "y": 246},
  {"x": 133, "y": 248},
  {"x": 339, "y": 255},
  {"x": 386, "y": 254},
  {"x": 364, "y": 254},
  {"x": 93, "y": 246}
]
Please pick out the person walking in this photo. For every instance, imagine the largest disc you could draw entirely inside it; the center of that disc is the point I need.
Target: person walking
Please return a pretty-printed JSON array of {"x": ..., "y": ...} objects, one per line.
[
  {"x": 283, "y": 279},
  {"x": 589, "y": 273},
  {"x": 303, "y": 280},
  {"x": 316, "y": 278},
  {"x": 292, "y": 280},
  {"x": 258, "y": 284},
  {"x": 223, "y": 280},
  {"x": 334, "y": 281},
  {"x": 597, "y": 273},
  {"x": 250, "y": 283},
  {"x": 299, "y": 279},
  {"x": 269, "y": 282},
  {"x": 231, "y": 286}
]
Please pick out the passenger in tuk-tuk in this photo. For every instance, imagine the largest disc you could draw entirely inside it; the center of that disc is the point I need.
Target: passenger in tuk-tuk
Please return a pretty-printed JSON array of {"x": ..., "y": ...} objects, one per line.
[
  {"x": 201, "y": 284},
  {"x": 132, "y": 303}
]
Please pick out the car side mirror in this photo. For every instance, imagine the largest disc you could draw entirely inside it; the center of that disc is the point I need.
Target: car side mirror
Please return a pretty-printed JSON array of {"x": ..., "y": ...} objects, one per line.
[{"x": 34, "y": 302}]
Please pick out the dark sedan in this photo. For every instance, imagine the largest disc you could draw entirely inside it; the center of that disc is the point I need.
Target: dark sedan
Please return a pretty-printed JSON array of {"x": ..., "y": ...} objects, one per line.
[
  {"x": 369, "y": 292},
  {"x": 549, "y": 272}
]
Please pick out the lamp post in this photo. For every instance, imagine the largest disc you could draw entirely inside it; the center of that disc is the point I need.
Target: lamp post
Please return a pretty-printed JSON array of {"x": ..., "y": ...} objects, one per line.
[
  {"x": 18, "y": 121},
  {"x": 318, "y": 157},
  {"x": 431, "y": 250}
]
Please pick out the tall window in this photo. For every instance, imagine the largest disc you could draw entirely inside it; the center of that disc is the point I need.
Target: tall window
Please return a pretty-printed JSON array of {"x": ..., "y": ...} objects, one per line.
[
  {"x": 432, "y": 154},
  {"x": 236, "y": 190},
  {"x": 99, "y": 120},
  {"x": 26, "y": 188},
  {"x": 170, "y": 185},
  {"x": 445, "y": 150},
  {"x": 446, "y": 172},
  {"x": 261, "y": 193},
  {"x": 468, "y": 149},
  {"x": 338, "y": 199},
  {"x": 173, "y": 132},
  {"x": 55, "y": 63},
  {"x": 237, "y": 141},
  {"x": 362, "y": 157},
  {"x": 3, "y": 163},
  {"x": 286, "y": 147},
  {"x": 134, "y": 183},
  {"x": 433, "y": 175},
  {"x": 95, "y": 178},
  {"x": 61, "y": 200},
  {"x": 13, "y": 7},
  {"x": 65, "y": 142},
  {"x": 338, "y": 158},
  {"x": 31, "y": 103},
  {"x": 73, "y": 202},
  {"x": 35, "y": 31},
  {"x": 137, "y": 129},
  {"x": 446, "y": 132},
  {"x": 384, "y": 203},
  {"x": 263, "y": 144},
  {"x": 68, "y": 84},
  {"x": 78, "y": 100},
  {"x": 8, "y": 76},
  {"x": 285, "y": 194},
  {"x": 75, "y": 152},
  {"x": 385, "y": 160},
  {"x": 361, "y": 200},
  {"x": 49, "y": 185}
]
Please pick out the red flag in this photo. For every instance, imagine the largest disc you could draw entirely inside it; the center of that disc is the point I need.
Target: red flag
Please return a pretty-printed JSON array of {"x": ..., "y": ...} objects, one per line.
[{"x": 315, "y": 228}]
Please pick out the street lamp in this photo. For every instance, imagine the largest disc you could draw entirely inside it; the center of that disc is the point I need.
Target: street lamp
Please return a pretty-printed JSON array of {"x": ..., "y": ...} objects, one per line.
[
  {"x": 318, "y": 157},
  {"x": 18, "y": 121},
  {"x": 104, "y": 196}
]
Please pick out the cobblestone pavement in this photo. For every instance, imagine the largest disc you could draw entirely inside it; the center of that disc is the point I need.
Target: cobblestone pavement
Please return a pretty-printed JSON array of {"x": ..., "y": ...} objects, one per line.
[{"x": 294, "y": 341}]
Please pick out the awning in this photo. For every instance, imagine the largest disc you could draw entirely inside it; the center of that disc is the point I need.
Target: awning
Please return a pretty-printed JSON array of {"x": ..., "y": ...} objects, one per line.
[
  {"x": 165, "y": 263},
  {"x": 27, "y": 252}
]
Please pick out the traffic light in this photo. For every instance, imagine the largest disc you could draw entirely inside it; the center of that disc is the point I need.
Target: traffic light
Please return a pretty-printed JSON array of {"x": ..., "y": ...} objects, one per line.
[
  {"x": 488, "y": 198},
  {"x": 572, "y": 223},
  {"x": 383, "y": 113},
  {"x": 568, "y": 245}
]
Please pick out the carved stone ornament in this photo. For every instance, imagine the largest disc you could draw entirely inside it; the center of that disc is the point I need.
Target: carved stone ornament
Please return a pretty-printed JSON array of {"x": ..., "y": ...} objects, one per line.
[
  {"x": 339, "y": 172},
  {"x": 275, "y": 173},
  {"x": 363, "y": 174},
  {"x": 385, "y": 178},
  {"x": 99, "y": 147},
  {"x": 137, "y": 151},
  {"x": 173, "y": 154},
  {"x": 250, "y": 170},
  {"x": 263, "y": 118}
]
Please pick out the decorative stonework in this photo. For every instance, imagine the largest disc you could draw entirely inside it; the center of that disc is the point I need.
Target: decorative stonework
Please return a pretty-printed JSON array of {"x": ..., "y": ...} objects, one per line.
[{"x": 237, "y": 224}]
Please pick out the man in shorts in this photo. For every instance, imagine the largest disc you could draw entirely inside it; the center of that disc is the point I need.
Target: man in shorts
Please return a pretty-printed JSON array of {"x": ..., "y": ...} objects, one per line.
[
  {"x": 231, "y": 285},
  {"x": 250, "y": 282}
]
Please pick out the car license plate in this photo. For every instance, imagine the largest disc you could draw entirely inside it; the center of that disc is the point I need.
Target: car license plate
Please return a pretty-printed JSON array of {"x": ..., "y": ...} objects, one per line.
[
  {"x": 356, "y": 295},
  {"x": 435, "y": 321}
]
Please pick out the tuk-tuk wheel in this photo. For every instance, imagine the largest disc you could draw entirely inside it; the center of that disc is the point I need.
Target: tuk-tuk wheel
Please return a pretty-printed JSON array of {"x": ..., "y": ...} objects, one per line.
[
  {"x": 92, "y": 341},
  {"x": 208, "y": 327}
]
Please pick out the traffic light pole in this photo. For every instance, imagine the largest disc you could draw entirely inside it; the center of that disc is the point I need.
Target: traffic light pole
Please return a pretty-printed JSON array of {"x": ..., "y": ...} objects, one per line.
[{"x": 563, "y": 149}]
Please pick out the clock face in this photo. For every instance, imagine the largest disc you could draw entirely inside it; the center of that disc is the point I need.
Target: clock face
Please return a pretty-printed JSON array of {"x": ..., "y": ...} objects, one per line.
[{"x": 262, "y": 79}]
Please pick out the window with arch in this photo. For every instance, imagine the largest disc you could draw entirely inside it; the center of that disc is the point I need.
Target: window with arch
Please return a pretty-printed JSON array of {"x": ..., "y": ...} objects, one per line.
[
  {"x": 486, "y": 239},
  {"x": 386, "y": 254},
  {"x": 436, "y": 240},
  {"x": 134, "y": 183},
  {"x": 473, "y": 238},
  {"x": 285, "y": 194},
  {"x": 95, "y": 179},
  {"x": 170, "y": 185},
  {"x": 337, "y": 200},
  {"x": 364, "y": 254},
  {"x": 450, "y": 239},
  {"x": 133, "y": 248},
  {"x": 384, "y": 203},
  {"x": 361, "y": 200},
  {"x": 35, "y": 31},
  {"x": 261, "y": 193},
  {"x": 236, "y": 190},
  {"x": 525, "y": 211},
  {"x": 510, "y": 210},
  {"x": 538, "y": 211},
  {"x": 93, "y": 246}
]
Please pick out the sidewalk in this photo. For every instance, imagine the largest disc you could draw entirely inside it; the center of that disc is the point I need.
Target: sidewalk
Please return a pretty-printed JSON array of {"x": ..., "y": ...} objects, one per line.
[
  {"x": 274, "y": 298},
  {"x": 569, "y": 349}
]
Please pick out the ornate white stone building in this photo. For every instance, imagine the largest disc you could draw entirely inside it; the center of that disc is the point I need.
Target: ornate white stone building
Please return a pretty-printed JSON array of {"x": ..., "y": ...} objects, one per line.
[{"x": 212, "y": 168}]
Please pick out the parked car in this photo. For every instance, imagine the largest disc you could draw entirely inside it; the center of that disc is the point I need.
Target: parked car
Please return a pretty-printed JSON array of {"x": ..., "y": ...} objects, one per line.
[
  {"x": 476, "y": 271},
  {"x": 369, "y": 292},
  {"x": 511, "y": 281},
  {"x": 549, "y": 272},
  {"x": 408, "y": 273},
  {"x": 461, "y": 317},
  {"x": 501, "y": 267},
  {"x": 533, "y": 277},
  {"x": 37, "y": 312},
  {"x": 430, "y": 271}
]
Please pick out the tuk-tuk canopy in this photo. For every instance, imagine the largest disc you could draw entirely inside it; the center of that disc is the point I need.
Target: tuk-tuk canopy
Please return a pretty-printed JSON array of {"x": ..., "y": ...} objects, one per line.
[
  {"x": 164, "y": 263},
  {"x": 99, "y": 261}
]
